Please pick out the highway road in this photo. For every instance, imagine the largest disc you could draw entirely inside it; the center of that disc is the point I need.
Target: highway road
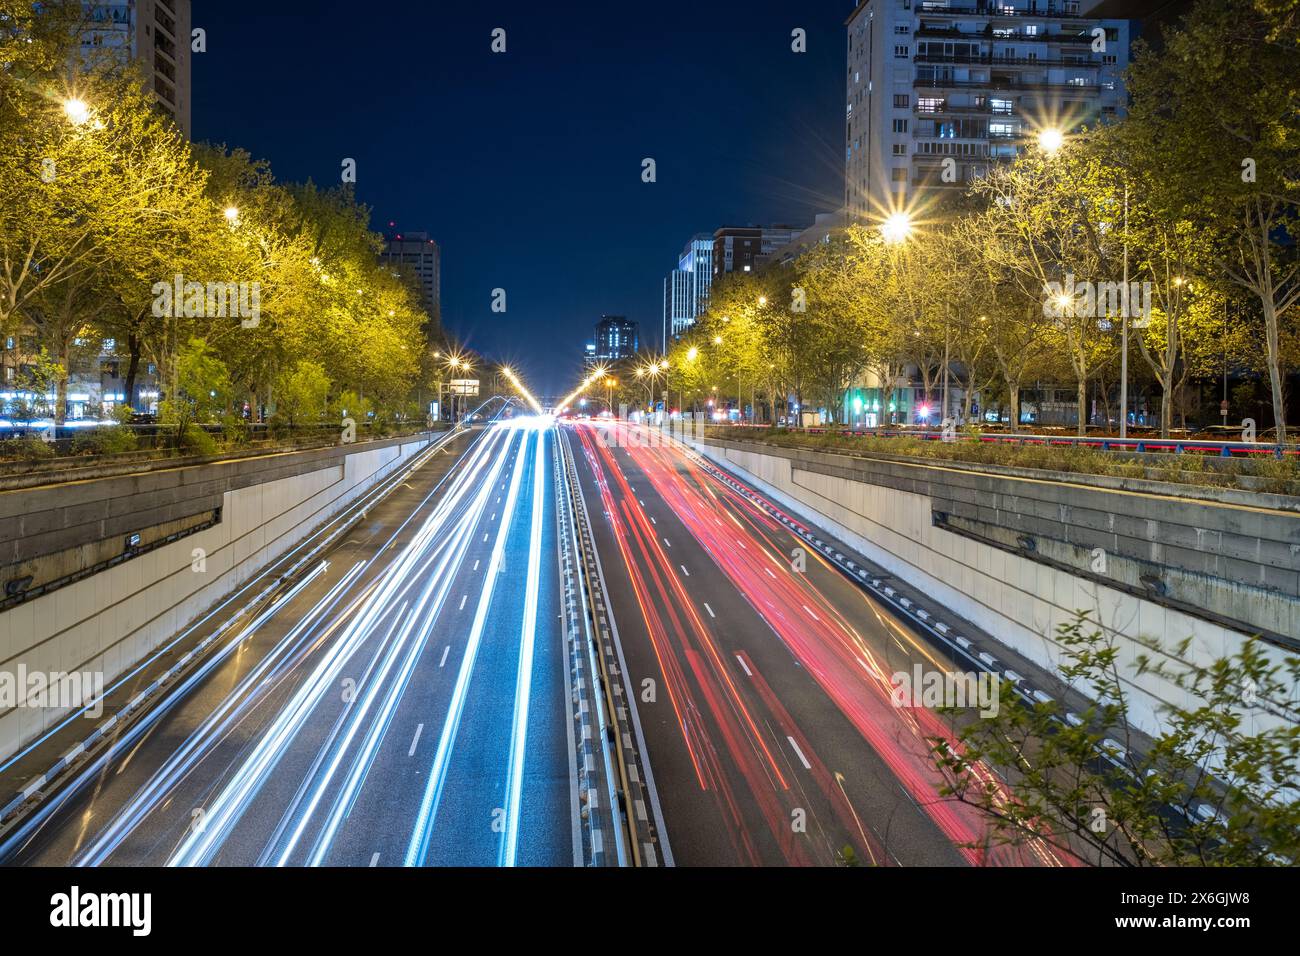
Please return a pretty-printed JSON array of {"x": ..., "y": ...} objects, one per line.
[
  {"x": 414, "y": 698},
  {"x": 763, "y": 678},
  {"x": 405, "y": 703}
]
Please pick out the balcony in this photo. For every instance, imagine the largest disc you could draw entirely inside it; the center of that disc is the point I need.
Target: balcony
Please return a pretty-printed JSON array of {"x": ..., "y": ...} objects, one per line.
[
  {"x": 997, "y": 85},
  {"x": 988, "y": 60},
  {"x": 995, "y": 12},
  {"x": 952, "y": 33}
]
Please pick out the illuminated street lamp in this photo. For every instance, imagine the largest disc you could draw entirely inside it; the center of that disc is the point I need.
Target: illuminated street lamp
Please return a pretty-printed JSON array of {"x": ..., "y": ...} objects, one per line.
[
  {"x": 1050, "y": 140},
  {"x": 77, "y": 112},
  {"x": 232, "y": 215},
  {"x": 896, "y": 228}
]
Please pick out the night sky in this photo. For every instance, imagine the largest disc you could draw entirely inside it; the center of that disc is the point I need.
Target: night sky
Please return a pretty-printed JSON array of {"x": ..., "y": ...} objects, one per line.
[{"x": 526, "y": 166}]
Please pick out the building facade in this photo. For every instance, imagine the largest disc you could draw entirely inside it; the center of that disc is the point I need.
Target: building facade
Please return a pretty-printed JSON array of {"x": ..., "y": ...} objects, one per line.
[
  {"x": 617, "y": 339},
  {"x": 748, "y": 248},
  {"x": 686, "y": 288},
  {"x": 414, "y": 253},
  {"x": 155, "y": 34},
  {"x": 938, "y": 90}
]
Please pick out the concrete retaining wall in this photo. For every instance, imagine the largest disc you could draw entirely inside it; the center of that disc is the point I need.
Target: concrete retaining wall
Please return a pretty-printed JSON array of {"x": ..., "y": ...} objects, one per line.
[
  {"x": 898, "y": 515},
  {"x": 111, "y": 618}
]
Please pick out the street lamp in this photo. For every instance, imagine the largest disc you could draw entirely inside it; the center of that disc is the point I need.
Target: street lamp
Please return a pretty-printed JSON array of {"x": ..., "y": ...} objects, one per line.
[
  {"x": 76, "y": 111},
  {"x": 232, "y": 215},
  {"x": 896, "y": 228},
  {"x": 1050, "y": 140}
]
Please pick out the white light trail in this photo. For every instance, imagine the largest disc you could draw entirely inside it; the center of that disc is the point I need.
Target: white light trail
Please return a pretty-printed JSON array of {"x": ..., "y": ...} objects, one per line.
[{"x": 524, "y": 681}]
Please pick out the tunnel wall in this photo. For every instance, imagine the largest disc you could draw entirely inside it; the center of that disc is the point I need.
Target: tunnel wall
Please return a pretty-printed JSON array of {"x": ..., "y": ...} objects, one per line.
[
  {"x": 1018, "y": 556},
  {"x": 106, "y": 608}
]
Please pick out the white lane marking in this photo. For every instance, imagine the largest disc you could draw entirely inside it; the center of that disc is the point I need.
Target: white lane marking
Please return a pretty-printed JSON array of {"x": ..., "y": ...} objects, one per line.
[
  {"x": 770, "y": 574},
  {"x": 418, "y": 730},
  {"x": 445, "y": 651},
  {"x": 498, "y": 501},
  {"x": 748, "y": 672},
  {"x": 494, "y": 516},
  {"x": 374, "y": 860},
  {"x": 709, "y": 609},
  {"x": 684, "y": 571},
  {"x": 475, "y": 566},
  {"x": 810, "y": 611},
  {"x": 652, "y": 520},
  {"x": 802, "y": 759},
  {"x": 485, "y": 535},
  {"x": 667, "y": 542},
  {"x": 463, "y": 599},
  {"x": 642, "y": 503}
]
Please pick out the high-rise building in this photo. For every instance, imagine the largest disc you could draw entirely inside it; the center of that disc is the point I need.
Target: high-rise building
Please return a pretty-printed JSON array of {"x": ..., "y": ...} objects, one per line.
[
  {"x": 416, "y": 254},
  {"x": 939, "y": 90},
  {"x": 747, "y": 248},
  {"x": 617, "y": 339},
  {"x": 155, "y": 34},
  {"x": 686, "y": 288}
]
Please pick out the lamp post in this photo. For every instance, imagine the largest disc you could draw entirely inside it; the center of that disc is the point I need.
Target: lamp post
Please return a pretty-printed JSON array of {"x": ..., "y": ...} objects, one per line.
[
  {"x": 1123, "y": 362},
  {"x": 896, "y": 230}
]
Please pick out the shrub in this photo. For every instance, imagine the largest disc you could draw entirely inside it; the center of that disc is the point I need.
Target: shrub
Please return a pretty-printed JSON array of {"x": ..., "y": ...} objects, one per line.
[
  {"x": 196, "y": 441},
  {"x": 107, "y": 440},
  {"x": 27, "y": 448}
]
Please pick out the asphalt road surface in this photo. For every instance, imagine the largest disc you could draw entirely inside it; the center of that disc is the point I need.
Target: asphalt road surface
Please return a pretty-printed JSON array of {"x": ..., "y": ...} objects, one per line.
[
  {"x": 763, "y": 678},
  {"x": 405, "y": 703}
]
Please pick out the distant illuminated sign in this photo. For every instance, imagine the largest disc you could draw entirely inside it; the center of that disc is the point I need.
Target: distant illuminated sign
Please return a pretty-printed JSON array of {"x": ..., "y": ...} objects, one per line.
[{"x": 464, "y": 386}]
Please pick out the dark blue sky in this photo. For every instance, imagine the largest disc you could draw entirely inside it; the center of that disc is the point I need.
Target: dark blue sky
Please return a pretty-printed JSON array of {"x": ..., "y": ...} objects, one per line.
[{"x": 526, "y": 166}]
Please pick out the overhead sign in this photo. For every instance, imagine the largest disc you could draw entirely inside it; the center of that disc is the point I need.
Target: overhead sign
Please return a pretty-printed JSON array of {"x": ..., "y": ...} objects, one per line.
[{"x": 464, "y": 386}]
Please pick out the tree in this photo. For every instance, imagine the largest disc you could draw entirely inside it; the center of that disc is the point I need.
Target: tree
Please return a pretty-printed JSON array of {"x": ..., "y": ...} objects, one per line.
[
  {"x": 1051, "y": 218},
  {"x": 203, "y": 385},
  {"x": 1212, "y": 789},
  {"x": 1218, "y": 113},
  {"x": 302, "y": 393}
]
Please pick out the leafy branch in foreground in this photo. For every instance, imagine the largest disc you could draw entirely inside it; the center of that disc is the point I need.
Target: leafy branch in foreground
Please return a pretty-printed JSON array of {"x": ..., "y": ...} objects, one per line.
[{"x": 1215, "y": 788}]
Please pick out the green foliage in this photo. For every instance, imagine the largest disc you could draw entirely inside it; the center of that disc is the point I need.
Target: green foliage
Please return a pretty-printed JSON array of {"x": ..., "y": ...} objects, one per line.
[
  {"x": 27, "y": 448},
  {"x": 302, "y": 393},
  {"x": 1275, "y": 475},
  {"x": 351, "y": 405},
  {"x": 195, "y": 440},
  {"x": 106, "y": 440},
  {"x": 106, "y": 204},
  {"x": 1215, "y": 788}
]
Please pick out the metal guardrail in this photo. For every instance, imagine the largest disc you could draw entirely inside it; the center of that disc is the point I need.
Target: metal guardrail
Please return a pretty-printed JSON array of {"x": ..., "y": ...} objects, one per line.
[{"x": 628, "y": 773}]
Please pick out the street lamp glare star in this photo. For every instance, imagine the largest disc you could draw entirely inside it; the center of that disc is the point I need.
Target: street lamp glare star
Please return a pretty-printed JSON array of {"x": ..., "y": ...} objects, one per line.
[
  {"x": 232, "y": 214},
  {"x": 76, "y": 111},
  {"x": 1050, "y": 140},
  {"x": 896, "y": 227}
]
